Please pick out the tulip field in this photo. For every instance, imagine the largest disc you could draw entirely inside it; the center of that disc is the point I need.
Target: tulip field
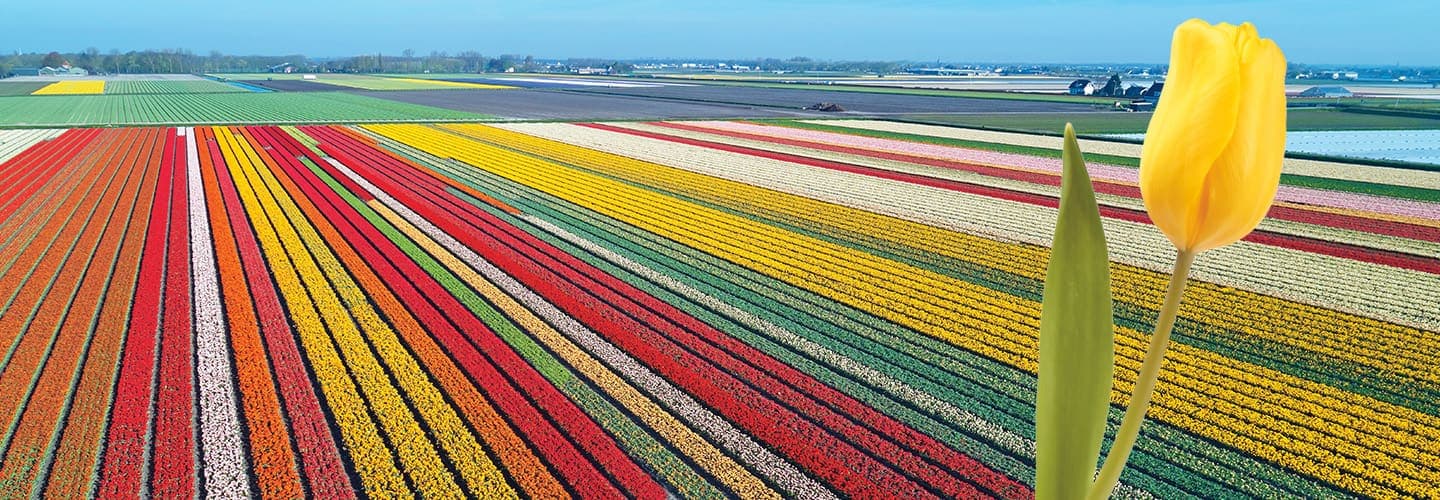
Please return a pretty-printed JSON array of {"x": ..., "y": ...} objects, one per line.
[{"x": 703, "y": 309}]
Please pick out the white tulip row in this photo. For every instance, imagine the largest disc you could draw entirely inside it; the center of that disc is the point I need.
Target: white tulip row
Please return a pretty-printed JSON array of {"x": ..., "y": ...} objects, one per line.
[
  {"x": 1362, "y": 238},
  {"x": 741, "y": 445},
  {"x": 1313, "y": 168},
  {"x": 221, "y": 443},
  {"x": 1365, "y": 289},
  {"x": 14, "y": 142}
]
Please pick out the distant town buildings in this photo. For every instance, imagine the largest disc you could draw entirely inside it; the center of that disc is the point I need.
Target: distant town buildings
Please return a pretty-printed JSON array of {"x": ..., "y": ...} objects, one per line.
[{"x": 63, "y": 70}]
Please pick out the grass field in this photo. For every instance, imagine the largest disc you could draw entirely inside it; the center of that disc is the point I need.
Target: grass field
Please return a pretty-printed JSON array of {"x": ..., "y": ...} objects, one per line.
[
  {"x": 1127, "y": 123},
  {"x": 701, "y": 309},
  {"x": 219, "y": 108}
]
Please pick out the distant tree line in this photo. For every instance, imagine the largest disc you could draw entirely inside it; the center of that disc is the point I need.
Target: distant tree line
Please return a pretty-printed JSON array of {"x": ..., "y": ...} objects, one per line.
[
  {"x": 150, "y": 61},
  {"x": 436, "y": 62}
]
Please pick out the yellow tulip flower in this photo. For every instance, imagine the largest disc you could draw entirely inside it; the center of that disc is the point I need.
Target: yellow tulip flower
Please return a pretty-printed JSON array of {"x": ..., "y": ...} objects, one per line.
[
  {"x": 1211, "y": 161},
  {"x": 1208, "y": 172}
]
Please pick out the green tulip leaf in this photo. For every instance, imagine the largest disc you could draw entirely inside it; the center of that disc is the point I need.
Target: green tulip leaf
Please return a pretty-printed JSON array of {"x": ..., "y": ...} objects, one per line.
[{"x": 1077, "y": 347}]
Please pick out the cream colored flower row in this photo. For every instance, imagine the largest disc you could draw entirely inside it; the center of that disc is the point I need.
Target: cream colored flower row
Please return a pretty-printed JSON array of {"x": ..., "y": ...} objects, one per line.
[
  {"x": 1362, "y": 238},
  {"x": 1375, "y": 291},
  {"x": 1313, "y": 168}
]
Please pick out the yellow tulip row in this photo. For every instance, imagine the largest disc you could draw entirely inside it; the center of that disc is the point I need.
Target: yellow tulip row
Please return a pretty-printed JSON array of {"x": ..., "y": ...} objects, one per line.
[
  {"x": 72, "y": 87},
  {"x": 348, "y": 313},
  {"x": 706, "y": 455},
  {"x": 977, "y": 318},
  {"x": 1386, "y": 345}
]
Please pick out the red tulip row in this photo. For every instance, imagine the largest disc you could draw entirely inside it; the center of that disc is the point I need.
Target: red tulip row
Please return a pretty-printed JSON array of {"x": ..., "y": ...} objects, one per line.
[
  {"x": 1336, "y": 249},
  {"x": 1343, "y": 221},
  {"x": 793, "y": 412}
]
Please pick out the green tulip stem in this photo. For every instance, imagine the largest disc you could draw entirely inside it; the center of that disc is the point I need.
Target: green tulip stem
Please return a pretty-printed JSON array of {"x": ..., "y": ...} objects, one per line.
[{"x": 1145, "y": 384}]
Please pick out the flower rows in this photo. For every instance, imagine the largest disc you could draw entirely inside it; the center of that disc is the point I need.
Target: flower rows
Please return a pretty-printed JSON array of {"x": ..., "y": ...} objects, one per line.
[
  {"x": 1397, "y": 237},
  {"x": 1104, "y": 173},
  {"x": 630, "y": 436},
  {"x": 457, "y": 257},
  {"x": 927, "y": 315},
  {"x": 248, "y": 296},
  {"x": 15, "y": 142},
  {"x": 648, "y": 310},
  {"x": 34, "y": 359},
  {"x": 124, "y": 471},
  {"x": 1347, "y": 285},
  {"x": 651, "y": 347}
]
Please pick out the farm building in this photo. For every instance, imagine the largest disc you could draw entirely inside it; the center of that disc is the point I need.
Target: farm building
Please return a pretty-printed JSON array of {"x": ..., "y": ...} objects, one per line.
[
  {"x": 1084, "y": 87},
  {"x": 1154, "y": 91},
  {"x": 66, "y": 70},
  {"x": 1327, "y": 91}
]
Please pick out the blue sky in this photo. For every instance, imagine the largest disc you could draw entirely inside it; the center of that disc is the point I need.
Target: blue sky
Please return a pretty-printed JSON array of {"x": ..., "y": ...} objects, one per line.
[{"x": 1316, "y": 31}]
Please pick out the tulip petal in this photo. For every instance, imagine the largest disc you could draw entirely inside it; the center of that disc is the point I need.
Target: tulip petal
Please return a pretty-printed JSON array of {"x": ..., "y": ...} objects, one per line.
[
  {"x": 1240, "y": 187},
  {"x": 1191, "y": 127}
]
